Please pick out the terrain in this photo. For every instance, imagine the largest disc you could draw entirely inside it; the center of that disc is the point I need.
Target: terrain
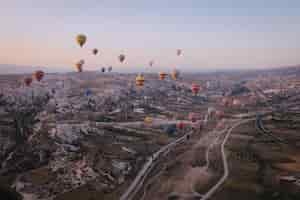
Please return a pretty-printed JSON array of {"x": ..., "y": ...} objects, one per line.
[{"x": 85, "y": 136}]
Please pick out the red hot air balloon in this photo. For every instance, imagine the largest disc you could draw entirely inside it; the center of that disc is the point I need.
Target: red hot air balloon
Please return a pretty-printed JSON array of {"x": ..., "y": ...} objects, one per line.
[
  {"x": 38, "y": 75},
  {"x": 180, "y": 125},
  {"x": 220, "y": 114},
  {"x": 28, "y": 81},
  {"x": 195, "y": 88},
  {"x": 162, "y": 75}
]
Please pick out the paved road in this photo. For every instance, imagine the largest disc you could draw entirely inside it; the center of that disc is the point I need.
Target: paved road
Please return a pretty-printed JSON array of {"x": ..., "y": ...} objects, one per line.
[
  {"x": 208, "y": 149},
  {"x": 139, "y": 179}
]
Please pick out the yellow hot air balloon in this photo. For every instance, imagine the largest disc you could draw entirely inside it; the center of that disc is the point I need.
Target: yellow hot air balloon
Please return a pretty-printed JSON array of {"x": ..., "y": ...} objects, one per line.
[
  {"x": 81, "y": 39},
  {"x": 148, "y": 120},
  {"x": 139, "y": 80}
]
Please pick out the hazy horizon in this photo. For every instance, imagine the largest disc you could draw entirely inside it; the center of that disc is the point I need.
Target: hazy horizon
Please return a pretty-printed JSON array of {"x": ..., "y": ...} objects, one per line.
[{"x": 214, "y": 35}]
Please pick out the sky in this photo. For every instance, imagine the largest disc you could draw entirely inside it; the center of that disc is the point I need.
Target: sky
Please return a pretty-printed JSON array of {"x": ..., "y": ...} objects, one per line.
[{"x": 213, "y": 34}]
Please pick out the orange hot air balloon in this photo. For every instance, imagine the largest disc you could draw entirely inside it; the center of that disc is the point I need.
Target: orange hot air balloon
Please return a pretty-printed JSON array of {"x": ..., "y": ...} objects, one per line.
[
  {"x": 195, "y": 88},
  {"x": 95, "y": 51},
  {"x": 81, "y": 39},
  {"x": 79, "y": 66},
  {"x": 179, "y": 52},
  {"x": 175, "y": 74},
  {"x": 162, "y": 75},
  {"x": 28, "y": 81},
  {"x": 121, "y": 58},
  {"x": 139, "y": 80},
  {"x": 38, "y": 75}
]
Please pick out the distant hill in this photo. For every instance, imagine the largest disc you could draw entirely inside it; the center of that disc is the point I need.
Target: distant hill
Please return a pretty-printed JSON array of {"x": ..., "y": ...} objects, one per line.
[{"x": 24, "y": 69}]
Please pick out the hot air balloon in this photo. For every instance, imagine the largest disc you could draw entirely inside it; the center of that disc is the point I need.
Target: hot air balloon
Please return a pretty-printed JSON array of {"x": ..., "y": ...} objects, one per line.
[
  {"x": 110, "y": 68},
  {"x": 151, "y": 63},
  {"x": 38, "y": 75},
  {"x": 81, "y": 39},
  {"x": 195, "y": 88},
  {"x": 28, "y": 81},
  {"x": 148, "y": 120},
  {"x": 88, "y": 92},
  {"x": 95, "y": 51},
  {"x": 175, "y": 74},
  {"x": 220, "y": 114},
  {"x": 139, "y": 80},
  {"x": 180, "y": 125},
  {"x": 103, "y": 69},
  {"x": 179, "y": 52},
  {"x": 170, "y": 129},
  {"x": 121, "y": 58},
  {"x": 162, "y": 75},
  {"x": 79, "y": 66},
  {"x": 226, "y": 101}
]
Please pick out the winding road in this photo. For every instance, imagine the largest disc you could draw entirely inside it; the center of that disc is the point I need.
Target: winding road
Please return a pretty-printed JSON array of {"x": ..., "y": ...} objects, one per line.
[
  {"x": 146, "y": 169},
  {"x": 213, "y": 189},
  {"x": 139, "y": 179}
]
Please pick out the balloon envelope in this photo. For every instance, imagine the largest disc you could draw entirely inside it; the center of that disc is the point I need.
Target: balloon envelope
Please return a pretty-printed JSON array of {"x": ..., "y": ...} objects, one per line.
[
  {"x": 28, "y": 81},
  {"x": 151, "y": 63},
  {"x": 139, "y": 80},
  {"x": 162, "y": 75},
  {"x": 95, "y": 51},
  {"x": 81, "y": 39},
  {"x": 38, "y": 75},
  {"x": 79, "y": 66},
  {"x": 175, "y": 74},
  {"x": 121, "y": 58},
  {"x": 179, "y": 52}
]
